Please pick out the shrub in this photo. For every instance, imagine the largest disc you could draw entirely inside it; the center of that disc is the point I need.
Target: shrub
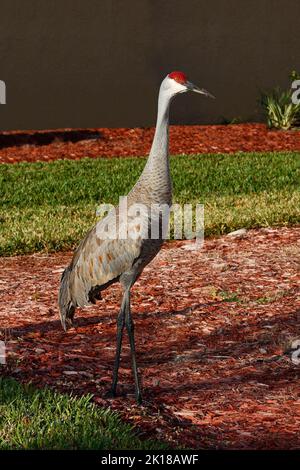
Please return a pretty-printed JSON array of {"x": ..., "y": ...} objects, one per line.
[{"x": 281, "y": 112}]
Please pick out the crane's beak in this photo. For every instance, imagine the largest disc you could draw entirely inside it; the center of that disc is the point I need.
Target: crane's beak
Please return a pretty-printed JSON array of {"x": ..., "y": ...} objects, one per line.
[{"x": 191, "y": 87}]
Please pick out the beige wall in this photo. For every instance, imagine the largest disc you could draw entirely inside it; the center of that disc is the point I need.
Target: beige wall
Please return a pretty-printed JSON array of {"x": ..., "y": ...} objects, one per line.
[{"x": 78, "y": 63}]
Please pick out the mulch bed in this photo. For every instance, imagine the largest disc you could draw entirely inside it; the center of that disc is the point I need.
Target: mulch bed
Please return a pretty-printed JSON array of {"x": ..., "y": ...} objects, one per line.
[
  {"x": 78, "y": 143},
  {"x": 212, "y": 332}
]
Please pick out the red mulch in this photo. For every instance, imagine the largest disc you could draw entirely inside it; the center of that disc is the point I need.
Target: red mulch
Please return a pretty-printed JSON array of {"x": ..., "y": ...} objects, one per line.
[
  {"x": 78, "y": 143},
  {"x": 212, "y": 329}
]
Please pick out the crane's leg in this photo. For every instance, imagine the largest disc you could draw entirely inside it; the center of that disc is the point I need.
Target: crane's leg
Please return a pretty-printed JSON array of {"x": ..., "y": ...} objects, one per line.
[
  {"x": 120, "y": 328},
  {"x": 124, "y": 317},
  {"x": 130, "y": 329}
]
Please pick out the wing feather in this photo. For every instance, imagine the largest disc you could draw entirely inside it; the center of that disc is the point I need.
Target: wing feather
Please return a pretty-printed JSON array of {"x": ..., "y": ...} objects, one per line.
[{"x": 98, "y": 261}]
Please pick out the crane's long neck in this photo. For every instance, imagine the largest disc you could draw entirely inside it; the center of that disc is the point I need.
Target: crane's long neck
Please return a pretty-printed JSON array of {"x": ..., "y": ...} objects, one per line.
[
  {"x": 160, "y": 145},
  {"x": 155, "y": 180}
]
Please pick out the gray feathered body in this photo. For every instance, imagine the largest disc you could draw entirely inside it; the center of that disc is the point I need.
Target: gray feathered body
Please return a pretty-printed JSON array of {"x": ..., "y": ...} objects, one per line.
[{"x": 99, "y": 262}]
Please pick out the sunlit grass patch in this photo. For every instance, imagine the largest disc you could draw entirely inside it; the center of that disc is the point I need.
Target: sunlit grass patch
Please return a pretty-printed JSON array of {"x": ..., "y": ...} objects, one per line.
[
  {"x": 49, "y": 206},
  {"x": 43, "y": 419}
]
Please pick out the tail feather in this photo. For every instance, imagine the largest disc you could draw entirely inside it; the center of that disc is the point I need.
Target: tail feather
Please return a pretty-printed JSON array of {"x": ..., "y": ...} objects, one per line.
[{"x": 66, "y": 307}]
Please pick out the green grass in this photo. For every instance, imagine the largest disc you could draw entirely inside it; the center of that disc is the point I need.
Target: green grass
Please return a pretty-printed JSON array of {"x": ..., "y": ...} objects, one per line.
[
  {"x": 49, "y": 206},
  {"x": 42, "y": 419}
]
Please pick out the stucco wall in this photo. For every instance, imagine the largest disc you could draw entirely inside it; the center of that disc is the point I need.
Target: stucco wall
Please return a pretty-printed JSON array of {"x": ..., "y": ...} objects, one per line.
[{"x": 78, "y": 63}]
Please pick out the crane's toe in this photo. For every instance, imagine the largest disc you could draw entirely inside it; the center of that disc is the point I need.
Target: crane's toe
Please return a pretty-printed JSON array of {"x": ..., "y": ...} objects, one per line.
[
  {"x": 139, "y": 399},
  {"x": 110, "y": 394}
]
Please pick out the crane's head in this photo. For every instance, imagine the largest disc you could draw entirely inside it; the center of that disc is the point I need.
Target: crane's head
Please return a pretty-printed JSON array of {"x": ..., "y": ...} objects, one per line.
[{"x": 177, "y": 82}]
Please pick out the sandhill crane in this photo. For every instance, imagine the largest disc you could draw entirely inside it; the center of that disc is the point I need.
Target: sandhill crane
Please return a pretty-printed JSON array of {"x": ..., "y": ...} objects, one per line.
[{"x": 100, "y": 261}]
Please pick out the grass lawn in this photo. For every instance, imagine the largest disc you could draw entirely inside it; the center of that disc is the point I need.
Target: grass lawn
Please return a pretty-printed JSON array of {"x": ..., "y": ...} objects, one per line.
[
  {"x": 42, "y": 419},
  {"x": 49, "y": 206}
]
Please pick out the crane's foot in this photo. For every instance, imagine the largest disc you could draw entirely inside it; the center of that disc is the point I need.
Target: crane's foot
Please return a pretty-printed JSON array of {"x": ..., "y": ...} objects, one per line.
[
  {"x": 110, "y": 394},
  {"x": 139, "y": 399},
  {"x": 113, "y": 394}
]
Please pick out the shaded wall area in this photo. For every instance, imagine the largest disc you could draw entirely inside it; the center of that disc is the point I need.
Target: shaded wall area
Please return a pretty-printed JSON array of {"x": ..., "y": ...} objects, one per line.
[{"x": 91, "y": 63}]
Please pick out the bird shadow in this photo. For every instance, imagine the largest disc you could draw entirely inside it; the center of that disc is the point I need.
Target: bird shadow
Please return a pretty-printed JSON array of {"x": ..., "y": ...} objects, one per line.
[
  {"x": 244, "y": 344},
  {"x": 80, "y": 321},
  {"x": 171, "y": 350}
]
